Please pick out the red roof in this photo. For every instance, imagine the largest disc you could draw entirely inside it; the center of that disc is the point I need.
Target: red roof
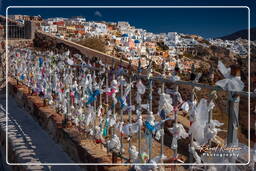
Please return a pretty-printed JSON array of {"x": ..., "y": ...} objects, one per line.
[
  {"x": 59, "y": 23},
  {"x": 79, "y": 26},
  {"x": 79, "y": 31}
]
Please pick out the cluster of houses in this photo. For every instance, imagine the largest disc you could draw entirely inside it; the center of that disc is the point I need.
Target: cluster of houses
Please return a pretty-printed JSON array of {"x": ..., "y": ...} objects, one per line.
[
  {"x": 124, "y": 40},
  {"x": 73, "y": 28},
  {"x": 22, "y": 18},
  {"x": 235, "y": 46},
  {"x": 130, "y": 43}
]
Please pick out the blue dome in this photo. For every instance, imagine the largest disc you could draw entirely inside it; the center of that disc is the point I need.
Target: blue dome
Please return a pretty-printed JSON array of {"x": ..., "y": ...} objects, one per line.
[
  {"x": 125, "y": 35},
  {"x": 136, "y": 41}
]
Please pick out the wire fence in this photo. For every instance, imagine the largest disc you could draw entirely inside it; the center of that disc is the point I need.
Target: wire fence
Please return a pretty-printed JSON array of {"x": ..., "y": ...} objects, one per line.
[{"x": 115, "y": 106}]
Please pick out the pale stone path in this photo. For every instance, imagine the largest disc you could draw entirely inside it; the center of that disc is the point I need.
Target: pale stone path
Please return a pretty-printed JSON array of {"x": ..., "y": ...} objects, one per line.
[{"x": 30, "y": 142}]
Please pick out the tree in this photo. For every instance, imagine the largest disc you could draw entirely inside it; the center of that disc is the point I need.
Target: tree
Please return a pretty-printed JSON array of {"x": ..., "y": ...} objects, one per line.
[{"x": 94, "y": 42}]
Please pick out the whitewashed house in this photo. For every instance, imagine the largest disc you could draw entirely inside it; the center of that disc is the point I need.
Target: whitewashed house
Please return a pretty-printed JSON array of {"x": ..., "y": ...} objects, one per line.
[
  {"x": 99, "y": 28},
  {"x": 173, "y": 37},
  {"x": 143, "y": 50},
  {"x": 123, "y": 26},
  {"x": 53, "y": 28},
  {"x": 45, "y": 28},
  {"x": 190, "y": 42},
  {"x": 78, "y": 20},
  {"x": 124, "y": 38}
]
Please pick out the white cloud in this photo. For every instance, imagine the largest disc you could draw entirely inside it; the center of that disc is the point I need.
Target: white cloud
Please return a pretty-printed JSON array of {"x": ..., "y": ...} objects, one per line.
[{"x": 98, "y": 14}]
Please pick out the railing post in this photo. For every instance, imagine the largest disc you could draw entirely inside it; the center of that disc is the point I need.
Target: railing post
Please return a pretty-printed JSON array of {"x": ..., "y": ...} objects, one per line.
[
  {"x": 107, "y": 106},
  {"x": 130, "y": 113},
  {"x": 191, "y": 136},
  {"x": 162, "y": 126},
  {"x": 114, "y": 106},
  {"x": 233, "y": 110},
  {"x": 150, "y": 112},
  {"x": 213, "y": 96},
  {"x": 176, "y": 121},
  {"x": 122, "y": 80},
  {"x": 95, "y": 101},
  {"x": 139, "y": 115},
  {"x": 233, "y": 123},
  {"x": 121, "y": 112},
  {"x": 114, "y": 157}
]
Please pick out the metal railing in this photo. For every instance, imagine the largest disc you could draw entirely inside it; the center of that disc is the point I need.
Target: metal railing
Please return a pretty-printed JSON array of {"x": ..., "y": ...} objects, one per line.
[
  {"x": 15, "y": 32},
  {"x": 111, "y": 73}
]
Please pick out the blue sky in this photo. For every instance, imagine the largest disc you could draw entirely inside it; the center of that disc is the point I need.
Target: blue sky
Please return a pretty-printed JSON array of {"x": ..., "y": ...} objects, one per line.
[{"x": 205, "y": 22}]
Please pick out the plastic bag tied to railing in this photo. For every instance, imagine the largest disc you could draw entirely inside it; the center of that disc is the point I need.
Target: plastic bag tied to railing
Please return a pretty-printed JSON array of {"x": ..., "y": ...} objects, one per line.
[{"x": 88, "y": 94}]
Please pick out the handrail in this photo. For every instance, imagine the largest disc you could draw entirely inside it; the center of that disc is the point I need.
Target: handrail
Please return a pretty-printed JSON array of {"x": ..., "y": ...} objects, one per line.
[
  {"x": 154, "y": 78},
  {"x": 180, "y": 82}
]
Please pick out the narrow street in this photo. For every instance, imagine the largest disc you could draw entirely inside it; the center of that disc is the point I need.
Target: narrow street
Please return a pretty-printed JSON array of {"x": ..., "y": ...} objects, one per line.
[{"x": 29, "y": 141}]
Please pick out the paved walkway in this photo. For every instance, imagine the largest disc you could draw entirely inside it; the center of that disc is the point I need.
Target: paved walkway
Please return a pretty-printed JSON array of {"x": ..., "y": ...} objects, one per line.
[{"x": 30, "y": 142}]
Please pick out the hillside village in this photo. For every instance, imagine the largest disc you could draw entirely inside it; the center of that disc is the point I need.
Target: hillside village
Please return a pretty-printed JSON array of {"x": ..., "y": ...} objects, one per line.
[
  {"x": 122, "y": 40},
  {"x": 191, "y": 54},
  {"x": 130, "y": 43}
]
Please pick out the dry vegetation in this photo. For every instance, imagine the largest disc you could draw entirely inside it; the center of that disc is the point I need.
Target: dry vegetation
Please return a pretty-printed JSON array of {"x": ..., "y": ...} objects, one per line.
[{"x": 95, "y": 42}]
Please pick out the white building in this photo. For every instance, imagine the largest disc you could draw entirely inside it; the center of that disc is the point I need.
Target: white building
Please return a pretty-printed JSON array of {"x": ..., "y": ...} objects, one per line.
[
  {"x": 234, "y": 46},
  {"x": 173, "y": 38},
  {"x": 78, "y": 20},
  {"x": 123, "y": 26},
  {"x": 45, "y": 28},
  {"x": 53, "y": 29},
  {"x": 143, "y": 50},
  {"x": 56, "y": 19},
  {"x": 99, "y": 28},
  {"x": 189, "y": 41}
]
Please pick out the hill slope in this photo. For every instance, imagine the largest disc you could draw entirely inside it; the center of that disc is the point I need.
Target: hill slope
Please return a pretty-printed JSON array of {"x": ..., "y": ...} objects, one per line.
[{"x": 242, "y": 33}]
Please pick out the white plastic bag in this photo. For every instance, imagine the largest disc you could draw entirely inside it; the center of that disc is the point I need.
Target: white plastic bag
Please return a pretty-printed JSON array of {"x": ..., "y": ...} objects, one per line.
[
  {"x": 230, "y": 83},
  {"x": 140, "y": 87}
]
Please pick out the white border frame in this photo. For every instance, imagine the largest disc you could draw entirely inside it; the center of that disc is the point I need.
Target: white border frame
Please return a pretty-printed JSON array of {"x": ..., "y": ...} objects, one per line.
[{"x": 129, "y": 164}]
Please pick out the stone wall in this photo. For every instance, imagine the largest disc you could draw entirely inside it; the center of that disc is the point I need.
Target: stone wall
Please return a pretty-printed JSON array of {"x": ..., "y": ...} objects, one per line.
[
  {"x": 48, "y": 41},
  {"x": 80, "y": 150}
]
